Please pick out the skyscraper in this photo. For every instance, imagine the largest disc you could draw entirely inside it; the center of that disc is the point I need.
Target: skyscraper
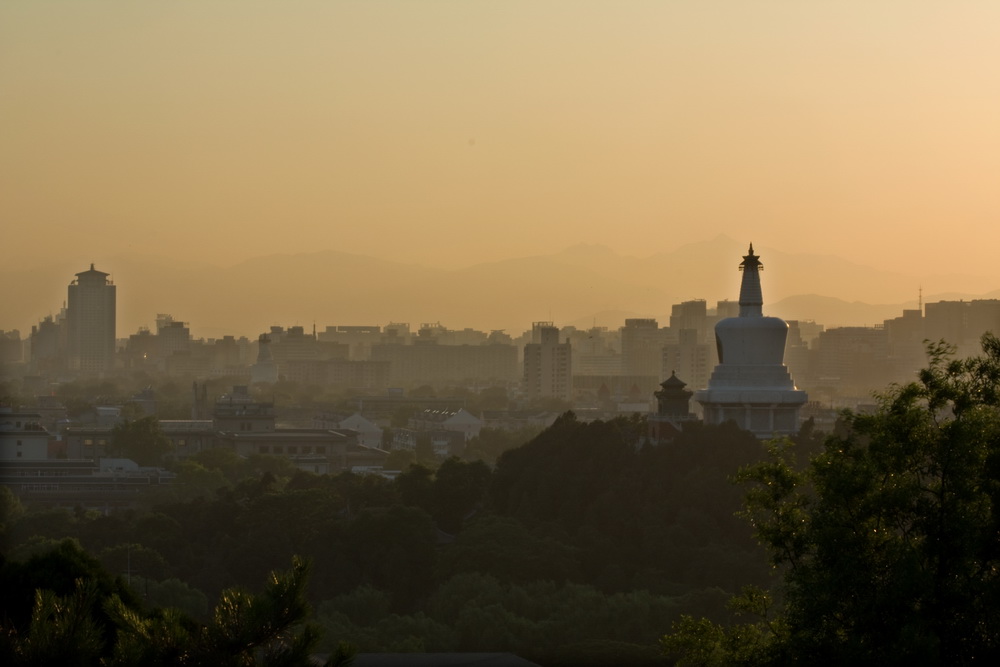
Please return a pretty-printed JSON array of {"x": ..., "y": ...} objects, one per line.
[
  {"x": 751, "y": 384},
  {"x": 548, "y": 370},
  {"x": 642, "y": 347},
  {"x": 90, "y": 321}
]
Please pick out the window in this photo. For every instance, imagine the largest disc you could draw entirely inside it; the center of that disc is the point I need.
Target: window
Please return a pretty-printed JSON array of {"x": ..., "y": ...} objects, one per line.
[
  {"x": 306, "y": 450},
  {"x": 321, "y": 449},
  {"x": 278, "y": 449},
  {"x": 292, "y": 449},
  {"x": 263, "y": 449}
]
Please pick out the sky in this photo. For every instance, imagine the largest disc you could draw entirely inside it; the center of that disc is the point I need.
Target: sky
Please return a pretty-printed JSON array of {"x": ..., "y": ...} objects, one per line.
[{"x": 451, "y": 133}]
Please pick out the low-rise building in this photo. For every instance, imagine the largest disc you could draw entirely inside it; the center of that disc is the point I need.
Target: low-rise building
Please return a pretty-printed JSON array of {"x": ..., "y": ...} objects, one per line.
[
  {"x": 22, "y": 436},
  {"x": 105, "y": 484}
]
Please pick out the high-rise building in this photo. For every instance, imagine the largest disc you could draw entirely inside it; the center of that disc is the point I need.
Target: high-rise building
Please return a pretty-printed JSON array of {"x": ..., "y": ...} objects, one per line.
[
  {"x": 548, "y": 371},
  {"x": 751, "y": 384},
  {"x": 90, "y": 321},
  {"x": 642, "y": 347},
  {"x": 689, "y": 315},
  {"x": 851, "y": 361},
  {"x": 690, "y": 357}
]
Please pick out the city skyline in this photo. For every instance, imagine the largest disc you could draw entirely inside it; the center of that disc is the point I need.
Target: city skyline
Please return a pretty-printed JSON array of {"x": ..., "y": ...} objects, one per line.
[
  {"x": 448, "y": 135},
  {"x": 591, "y": 285}
]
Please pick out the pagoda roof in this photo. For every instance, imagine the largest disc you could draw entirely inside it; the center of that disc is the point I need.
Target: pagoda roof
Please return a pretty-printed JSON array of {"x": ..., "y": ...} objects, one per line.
[
  {"x": 92, "y": 271},
  {"x": 673, "y": 381}
]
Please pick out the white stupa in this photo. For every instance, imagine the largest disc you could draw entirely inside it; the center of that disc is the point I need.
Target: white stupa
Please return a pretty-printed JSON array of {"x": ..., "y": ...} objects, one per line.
[
  {"x": 751, "y": 385},
  {"x": 265, "y": 371}
]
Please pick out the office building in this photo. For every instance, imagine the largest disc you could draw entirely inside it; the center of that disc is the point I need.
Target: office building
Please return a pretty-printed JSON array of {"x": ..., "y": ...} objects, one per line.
[
  {"x": 548, "y": 370},
  {"x": 90, "y": 320}
]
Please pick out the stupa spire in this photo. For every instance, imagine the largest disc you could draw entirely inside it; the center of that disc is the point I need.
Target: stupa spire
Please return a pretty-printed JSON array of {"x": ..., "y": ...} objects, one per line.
[{"x": 751, "y": 299}]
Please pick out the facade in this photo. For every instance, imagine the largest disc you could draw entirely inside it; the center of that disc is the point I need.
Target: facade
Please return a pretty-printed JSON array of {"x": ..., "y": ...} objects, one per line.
[
  {"x": 428, "y": 362},
  {"x": 689, "y": 315},
  {"x": 318, "y": 451},
  {"x": 962, "y": 323},
  {"x": 751, "y": 385},
  {"x": 369, "y": 433},
  {"x": 48, "y": 345},
  {"x": 22, "y": 436},
  {"x": 548, "y": 369},
  {"x": 239, "y": 412},
  {"x": 595, "y": 352},
  {"x": 642, "y": 347},
  {"x": 90, "y": 320},
  {"x": 851, "y": 361},
  {"x": 690, "y": 357},
  {"x": 107, "y": 485},
  {"x": 455, "y": 421}
]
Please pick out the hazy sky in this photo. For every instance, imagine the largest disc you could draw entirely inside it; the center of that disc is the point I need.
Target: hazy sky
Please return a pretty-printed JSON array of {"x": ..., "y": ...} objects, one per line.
[{"x": 455, "y": 132}]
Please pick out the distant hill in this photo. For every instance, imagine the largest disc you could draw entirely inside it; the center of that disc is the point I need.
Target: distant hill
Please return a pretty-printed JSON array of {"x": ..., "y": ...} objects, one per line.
[
  {"x": 578, "y": 285},
  {"x": 836, "y": 312}
]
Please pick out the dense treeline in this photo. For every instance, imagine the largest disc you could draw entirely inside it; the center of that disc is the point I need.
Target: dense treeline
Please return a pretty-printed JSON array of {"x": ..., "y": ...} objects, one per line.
[
  {"x": 586, "y": 541},
  {"x": 888, "y": 540},
  {"x": 61, "y": 607}
]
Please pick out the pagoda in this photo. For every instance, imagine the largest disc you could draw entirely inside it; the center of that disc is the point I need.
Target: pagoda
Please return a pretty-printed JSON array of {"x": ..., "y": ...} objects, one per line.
[
  {"x": 672, "y": 409},
  {"x": 751, "y": 385}
]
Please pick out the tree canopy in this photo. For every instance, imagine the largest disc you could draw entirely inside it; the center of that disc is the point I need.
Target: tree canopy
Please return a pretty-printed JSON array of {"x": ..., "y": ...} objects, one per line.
[
  {"x": 80, "y": 615},
  {"x": 888, "y": 541},
  {"x": 141, "y": 440}
]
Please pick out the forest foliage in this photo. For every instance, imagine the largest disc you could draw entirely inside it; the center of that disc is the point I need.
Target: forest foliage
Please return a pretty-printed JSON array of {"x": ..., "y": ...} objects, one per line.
[
  {"x": 888, "y": 541},
  {"x": 584, "y": 541}
]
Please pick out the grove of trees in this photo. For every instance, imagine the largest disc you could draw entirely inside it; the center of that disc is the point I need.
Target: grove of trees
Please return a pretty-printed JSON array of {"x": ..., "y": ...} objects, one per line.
[
  {"x": 888, "y": 540},
  {"x": 585, "y": 541}
]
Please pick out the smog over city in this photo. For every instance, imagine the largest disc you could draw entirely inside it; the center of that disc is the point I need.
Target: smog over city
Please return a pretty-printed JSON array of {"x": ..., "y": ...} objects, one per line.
[{"x": 433, "y": 309}]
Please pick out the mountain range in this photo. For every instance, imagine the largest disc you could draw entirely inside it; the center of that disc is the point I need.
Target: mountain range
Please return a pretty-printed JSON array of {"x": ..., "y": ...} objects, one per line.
[{"x": 582, "y": 285}]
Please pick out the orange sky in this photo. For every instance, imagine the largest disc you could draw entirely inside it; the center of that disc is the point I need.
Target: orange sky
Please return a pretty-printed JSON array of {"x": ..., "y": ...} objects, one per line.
[{"x": 454, "y": 132}]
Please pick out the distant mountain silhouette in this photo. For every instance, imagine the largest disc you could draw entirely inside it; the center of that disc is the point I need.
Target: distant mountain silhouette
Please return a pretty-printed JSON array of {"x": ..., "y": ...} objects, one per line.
[
  {"x": 836, "y": 312},
  {"x": 576, "y": 285}
]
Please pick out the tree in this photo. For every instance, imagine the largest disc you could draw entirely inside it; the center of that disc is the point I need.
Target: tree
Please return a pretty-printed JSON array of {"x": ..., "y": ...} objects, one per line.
[
  {"x": 492, "y": 442},
  {"x": 394, "y": 549},
  {"x": 889, "y": 540},
  {"x": 11, "y": 510},
  {"x": 423, "y": 450},
  {"x": 51, "y": 607},
  {"x": 141, "y": 440},
  {"x": 97, "y": 619},
  {"x": 399, "y": 459},
  {"x": 494, "y": 398},
  {"x": 63, "y": 630},
  {"x": 459, "y": 489}
]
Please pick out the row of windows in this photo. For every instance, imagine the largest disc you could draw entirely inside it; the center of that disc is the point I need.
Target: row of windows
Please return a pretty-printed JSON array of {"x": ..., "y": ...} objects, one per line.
[
  {"x": 79, "y": 487},
  {"x": 291, "y": 449}
]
